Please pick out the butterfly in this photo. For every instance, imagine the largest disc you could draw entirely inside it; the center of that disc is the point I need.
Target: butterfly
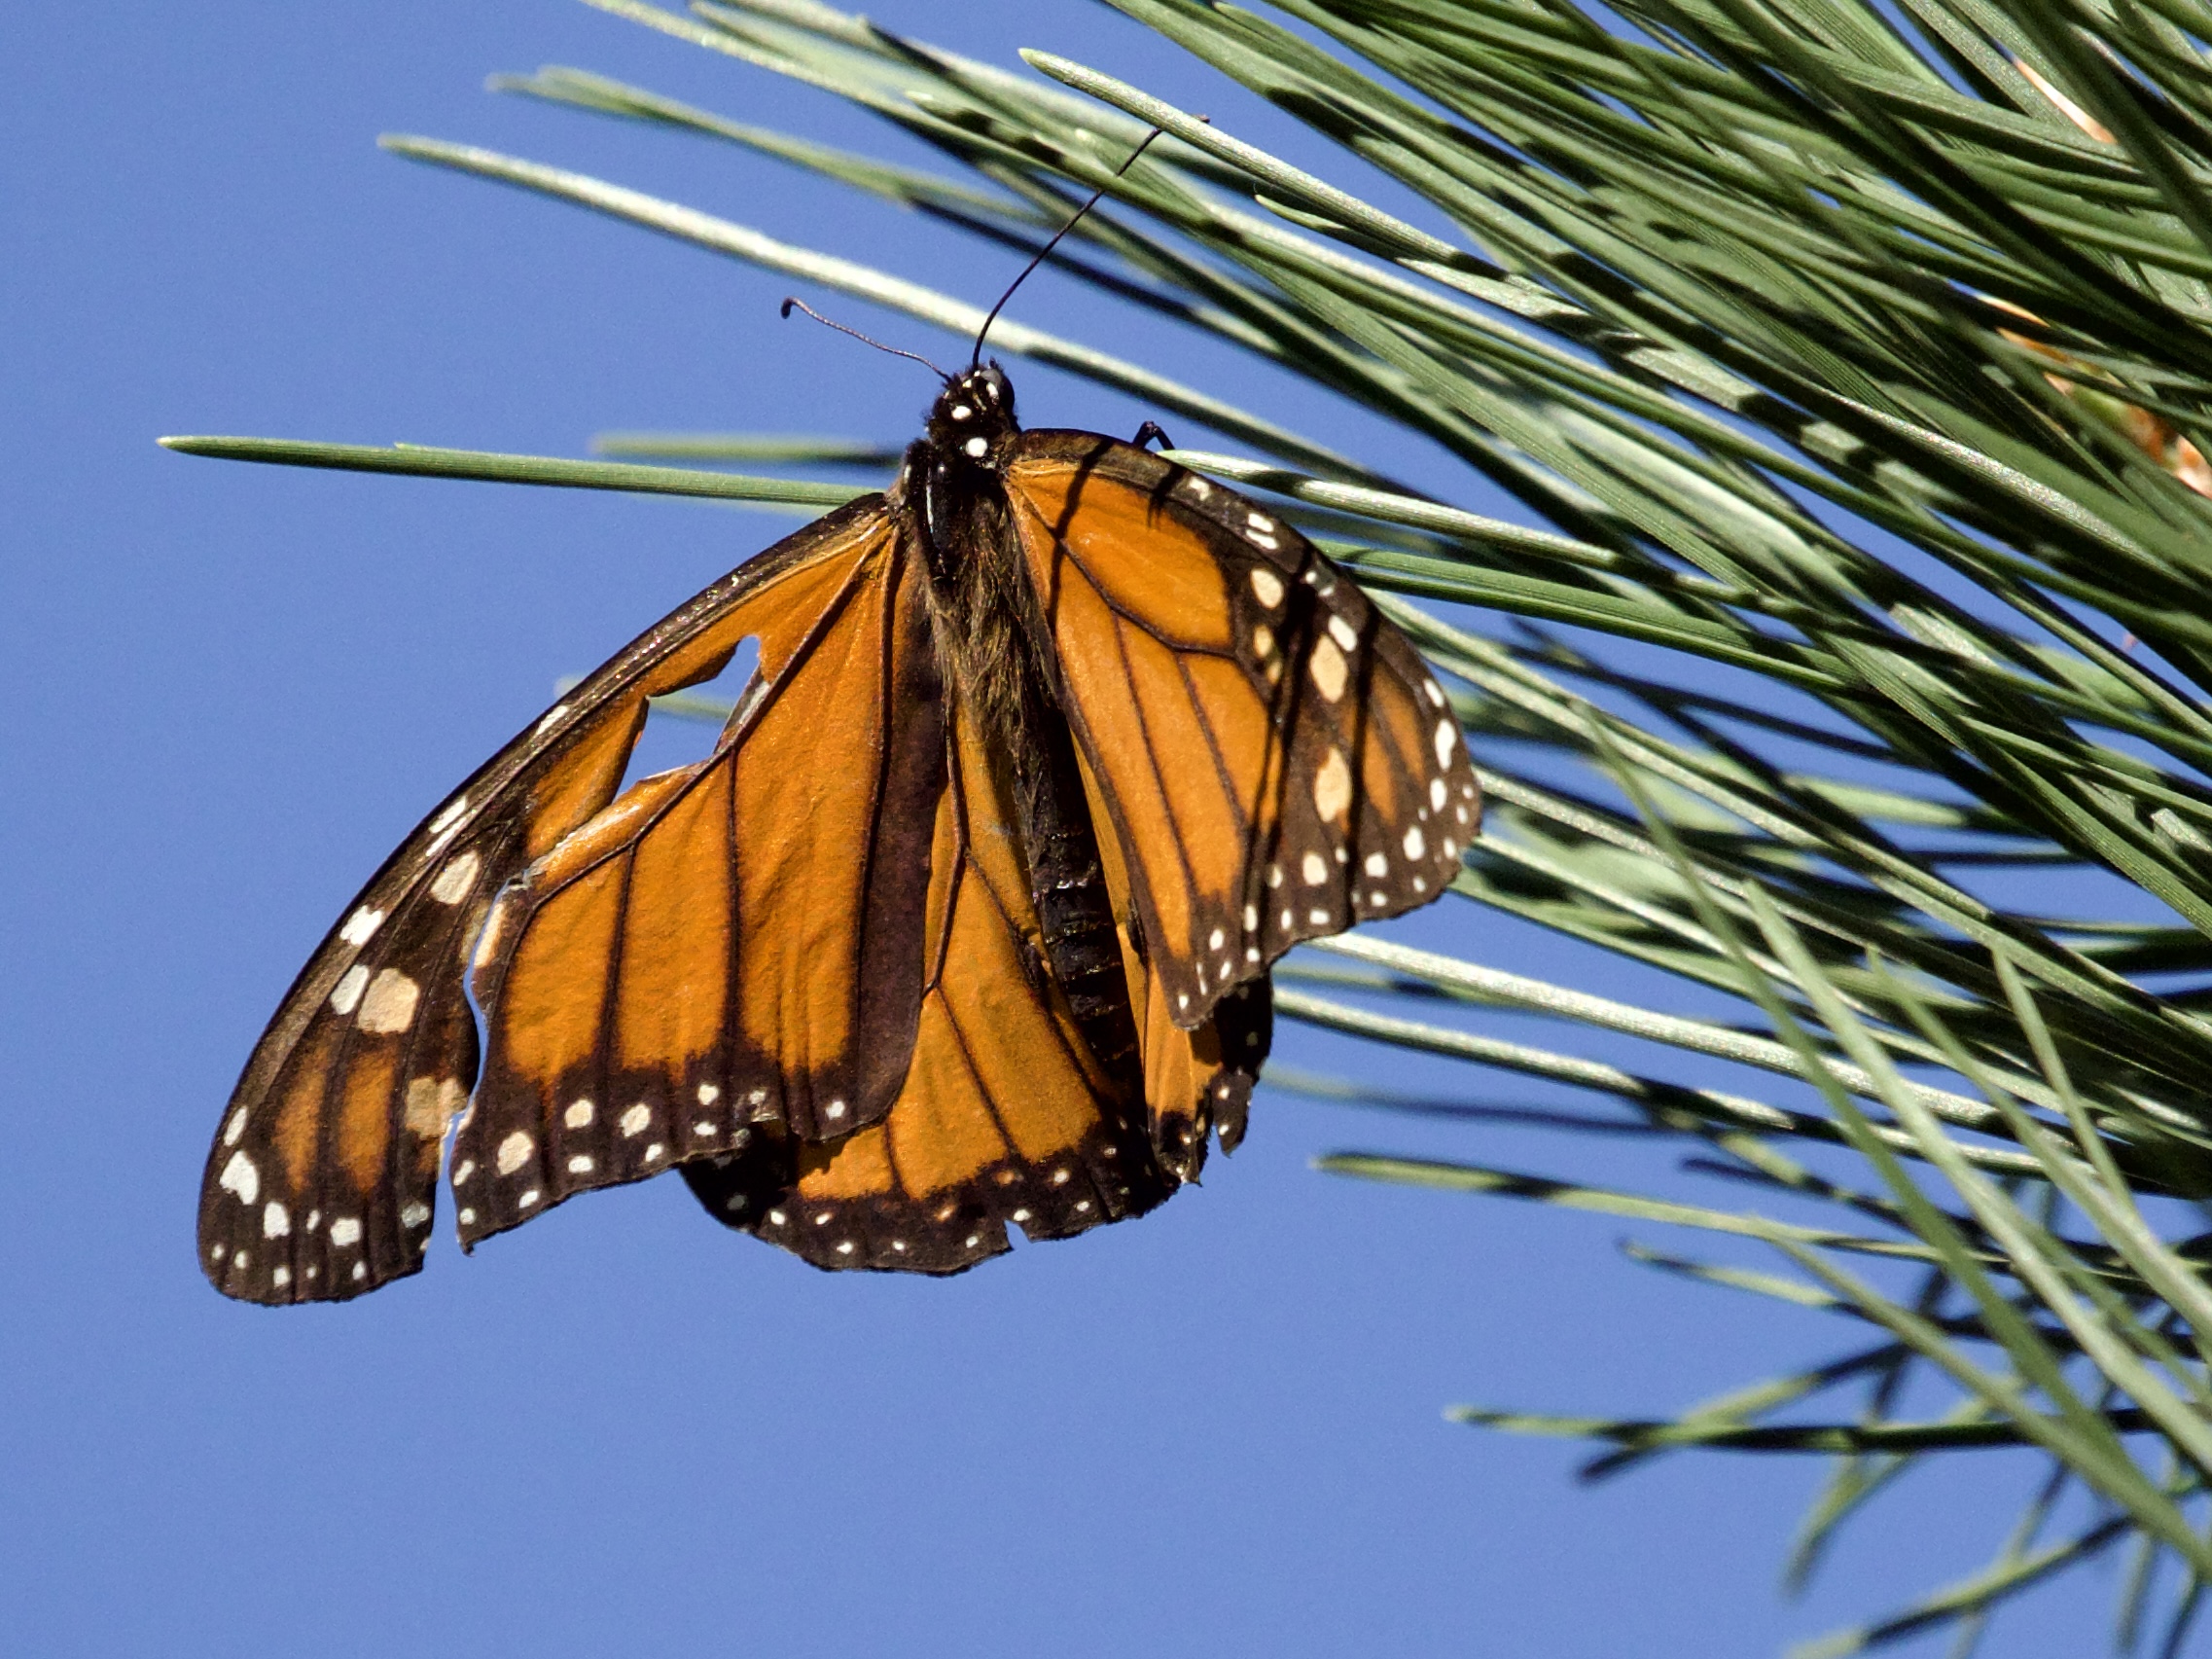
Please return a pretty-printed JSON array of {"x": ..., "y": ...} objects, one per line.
[{"x": 966, "y": 920}]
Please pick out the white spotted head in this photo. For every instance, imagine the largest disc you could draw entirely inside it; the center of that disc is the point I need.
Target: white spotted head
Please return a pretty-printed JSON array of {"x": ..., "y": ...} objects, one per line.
[{"x": 972, "y": 415}]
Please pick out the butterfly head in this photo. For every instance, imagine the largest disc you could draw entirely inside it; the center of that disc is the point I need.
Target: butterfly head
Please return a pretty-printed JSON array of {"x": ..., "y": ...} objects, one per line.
[{"x": 972, "y": 414}]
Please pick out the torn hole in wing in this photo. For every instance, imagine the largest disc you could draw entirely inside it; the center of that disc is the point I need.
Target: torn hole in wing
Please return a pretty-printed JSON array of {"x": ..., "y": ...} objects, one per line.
[{"x": 686, "y": 726}]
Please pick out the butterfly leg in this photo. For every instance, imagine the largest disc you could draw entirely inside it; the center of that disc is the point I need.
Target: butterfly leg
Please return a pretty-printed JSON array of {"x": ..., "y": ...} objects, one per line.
[{"x": 1148, "y": 432}]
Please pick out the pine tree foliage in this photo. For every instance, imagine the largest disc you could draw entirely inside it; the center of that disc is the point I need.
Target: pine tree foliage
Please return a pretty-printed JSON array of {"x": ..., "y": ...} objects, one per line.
[{"x": 1859, "y": 349}]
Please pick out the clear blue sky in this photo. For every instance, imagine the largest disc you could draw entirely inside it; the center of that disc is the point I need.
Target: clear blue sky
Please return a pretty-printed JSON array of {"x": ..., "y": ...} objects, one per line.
[{"x": 231, "y": 690}]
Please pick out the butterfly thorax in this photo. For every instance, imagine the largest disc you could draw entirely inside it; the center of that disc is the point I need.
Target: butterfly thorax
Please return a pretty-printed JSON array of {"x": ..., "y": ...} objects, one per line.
[{"x": 987, "y": 629}]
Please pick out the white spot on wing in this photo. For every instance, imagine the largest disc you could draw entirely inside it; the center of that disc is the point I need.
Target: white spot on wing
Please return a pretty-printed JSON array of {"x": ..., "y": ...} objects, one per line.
[
  {"x": 456, "y": 879},
  {"x": 1262, "y": 641},
  {"x": 1251, "y": 918},
  {"x": 414, "y": 1213},
  {"x": 275, "y": 1220},
  {"x": 1266, "y": 587},
  {"x": 347, "y": 993},
  {"x": 709, "y": 1094},
  {"x": 634, "y": 1120},
  {"x": 1437, "y": 793},
  {"x": 1315, "y": 869},
  {"x": 432, "y": 1102},
  {"x": 580, "y": 1165},
  {"x": 361, "y": 926},
  {"x": 1415, "y": 845},
  {"x": 834, "y": 1111},
  {"x": 1333, "y": 785},
  {"x": 450, "y": 815},
  {"x": 514, "y": 1152},
  {"x": 1327, "y": 667},
  {"x": 241, "y": 1177},
  {"x": 1447, "y": 735},
  {"x": 234, "y": 1128},
  {"x": 345, "y": 1230},
  {"x": 1342, "y": 632},
  {"x": 1377, "y": 864},
  {"x": 390, "y": 1004},
  {"x": 579, "y": 1114},
  {"x": 553, "y": 718}
]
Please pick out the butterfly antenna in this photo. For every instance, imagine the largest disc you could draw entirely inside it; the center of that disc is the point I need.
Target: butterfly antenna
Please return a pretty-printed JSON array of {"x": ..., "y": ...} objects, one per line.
[
  {"x": 975, "y": 357},
  {"x": 791, "y": 303}
]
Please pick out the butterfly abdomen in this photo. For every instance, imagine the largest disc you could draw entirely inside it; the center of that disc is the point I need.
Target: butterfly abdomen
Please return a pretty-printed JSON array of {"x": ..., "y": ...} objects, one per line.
[{"x": 1075, "y": 912}]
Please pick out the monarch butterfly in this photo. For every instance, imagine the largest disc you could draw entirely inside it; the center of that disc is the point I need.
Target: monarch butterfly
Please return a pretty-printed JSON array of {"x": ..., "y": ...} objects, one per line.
[{"x": 965, "y": 921}]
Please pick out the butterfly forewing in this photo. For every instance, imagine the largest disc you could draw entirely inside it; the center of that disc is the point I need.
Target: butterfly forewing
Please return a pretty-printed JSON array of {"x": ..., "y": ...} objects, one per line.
[
  {"x": 1274, "y": 758},
  {"x": 320, "y": 1184},
  {"x": 735, "y": 944},
  {"x": 1005, "y": 1116}
]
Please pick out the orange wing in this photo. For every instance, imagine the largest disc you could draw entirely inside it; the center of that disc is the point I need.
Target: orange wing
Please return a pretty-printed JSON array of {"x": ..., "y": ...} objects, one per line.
[
  {"x": 1005, "y": 1116},
  {"x": 1194, "y": 1080},
  {"x": 321, "y": 1181},
  {"x": 732, "y": 944},
  {"x": 1274, "y": 760}
]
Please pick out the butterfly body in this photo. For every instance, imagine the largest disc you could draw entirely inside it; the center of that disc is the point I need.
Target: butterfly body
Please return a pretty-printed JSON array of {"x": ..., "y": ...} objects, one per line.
[{"x": 964, "y": 924}]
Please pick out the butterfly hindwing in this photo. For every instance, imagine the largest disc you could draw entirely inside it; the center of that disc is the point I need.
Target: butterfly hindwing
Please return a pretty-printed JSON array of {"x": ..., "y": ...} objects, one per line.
[
  {"x": 1195, "y": 1080},
  {"x": 1005, "y": 1116},
  {"x": 1274, "y": 758},
  {"x": 321, "y": 1181}
]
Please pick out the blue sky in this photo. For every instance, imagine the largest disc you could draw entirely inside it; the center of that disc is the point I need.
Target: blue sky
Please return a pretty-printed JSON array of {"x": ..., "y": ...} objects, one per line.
[{"x": 231, "y": 690}]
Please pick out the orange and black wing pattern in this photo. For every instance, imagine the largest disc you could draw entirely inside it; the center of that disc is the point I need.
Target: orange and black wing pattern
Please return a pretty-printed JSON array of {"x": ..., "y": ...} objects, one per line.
[
  {"x": 1005, "y": 1115},
  {"x": 1274, "y": 760},
  {"x": 320, "y": 1184},
  {"x": 1197, "y": 1080},
  {"x": 733, "y": 948}
]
